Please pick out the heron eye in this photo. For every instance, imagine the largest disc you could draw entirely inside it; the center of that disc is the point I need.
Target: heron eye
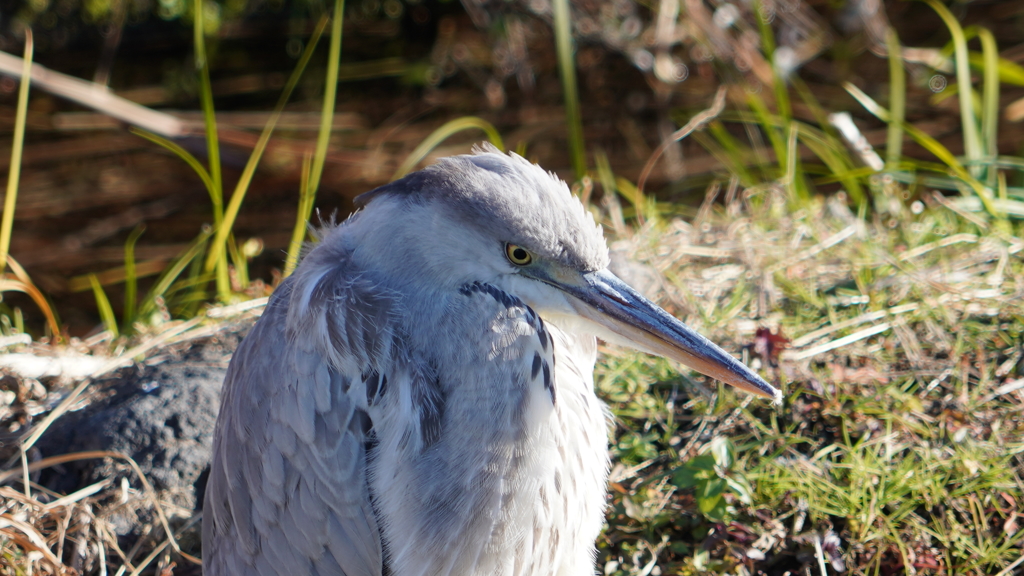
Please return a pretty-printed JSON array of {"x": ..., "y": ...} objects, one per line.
[{"x": 517, "y": 255}]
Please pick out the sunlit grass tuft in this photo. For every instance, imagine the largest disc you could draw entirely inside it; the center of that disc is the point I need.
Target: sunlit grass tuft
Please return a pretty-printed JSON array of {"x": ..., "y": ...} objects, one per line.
[{"x": 898, "y": 444}]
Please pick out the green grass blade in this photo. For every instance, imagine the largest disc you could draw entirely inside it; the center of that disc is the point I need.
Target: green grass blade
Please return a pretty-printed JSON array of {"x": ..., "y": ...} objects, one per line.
[
  {"x": 771, "y": 127},
  {"x": 301, "y": 218},
  {"x": 867, "y": 102},
  {"x": 330, "y": 96},
  {"x": 969, "y": 125},
  {"x": 782, "y": 104},
  {"x": 990, "y": 101},
  {"x": 14, "y": 174},
  {"x": 1009, "y": 71},
  {"x": 836, "y": 159},
  {"x": 312, "y": 167},
  {"x": 820, "y": 115},
  {"x": 118, "y": 275},
  {"x": 103, "y": 305},
  {"x": 728, "y": 151},
  {"x": 442, "y": 134},
  {"x": 131, "y": 281},
  {"x": 604, "y": 173},
  {"x": 212, "y": 141},
  {"x": 567, "y": 72},
  {"x": 240, "y": 261},
  {"x": 822, "y": 143},
  {"x": 897, "y": 101},
  {"x": 217, "y": 249},
  {"x": 180, "y": 152},
  {"x": 930, "y": 144},
  {"x": 792, "y": 178},
  {"x": 172, "y": 272},
  {"x": 943, "y": 153},
  {"x": 209, "y": 114},
  {"x": 643, "y": 208}
]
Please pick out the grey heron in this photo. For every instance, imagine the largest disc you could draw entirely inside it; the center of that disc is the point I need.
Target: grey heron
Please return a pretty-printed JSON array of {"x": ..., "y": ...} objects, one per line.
[{"x": 417, "y": 399}]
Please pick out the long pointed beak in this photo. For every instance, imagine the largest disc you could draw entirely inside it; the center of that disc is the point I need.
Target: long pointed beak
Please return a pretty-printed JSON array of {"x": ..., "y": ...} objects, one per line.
[{"x": 605, "y": 299}]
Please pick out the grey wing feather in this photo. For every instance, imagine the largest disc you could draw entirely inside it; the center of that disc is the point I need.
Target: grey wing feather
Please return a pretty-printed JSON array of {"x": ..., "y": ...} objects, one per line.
[{"x": 287, "y": 493}]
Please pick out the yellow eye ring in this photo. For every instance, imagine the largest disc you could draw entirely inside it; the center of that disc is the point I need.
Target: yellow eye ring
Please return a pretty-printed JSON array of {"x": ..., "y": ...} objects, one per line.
[{"x": 517, "y": 254}]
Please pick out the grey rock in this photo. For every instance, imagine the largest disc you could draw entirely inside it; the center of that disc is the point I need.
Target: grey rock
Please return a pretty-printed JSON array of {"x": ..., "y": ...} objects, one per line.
[{"x": 161, "y": 416}]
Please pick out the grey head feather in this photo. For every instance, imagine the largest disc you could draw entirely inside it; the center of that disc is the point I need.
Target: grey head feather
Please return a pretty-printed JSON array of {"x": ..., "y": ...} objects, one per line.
[{"x": 510, "y": 198}]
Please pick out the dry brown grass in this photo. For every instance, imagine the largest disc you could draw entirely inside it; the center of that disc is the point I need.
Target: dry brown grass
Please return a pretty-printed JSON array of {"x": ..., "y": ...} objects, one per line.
[{"x": 46, "y": 533}]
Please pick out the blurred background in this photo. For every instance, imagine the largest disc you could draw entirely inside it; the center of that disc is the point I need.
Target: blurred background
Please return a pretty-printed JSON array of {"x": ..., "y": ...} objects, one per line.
[{"x": 408, "y": 67}]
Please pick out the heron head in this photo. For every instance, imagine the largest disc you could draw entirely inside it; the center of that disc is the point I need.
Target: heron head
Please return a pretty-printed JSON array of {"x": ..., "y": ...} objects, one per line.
[{"x": 497, "y": 218}]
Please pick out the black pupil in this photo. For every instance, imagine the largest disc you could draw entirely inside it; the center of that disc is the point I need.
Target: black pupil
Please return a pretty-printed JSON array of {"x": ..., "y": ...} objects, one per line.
[{"x": 519, "y": 254}]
